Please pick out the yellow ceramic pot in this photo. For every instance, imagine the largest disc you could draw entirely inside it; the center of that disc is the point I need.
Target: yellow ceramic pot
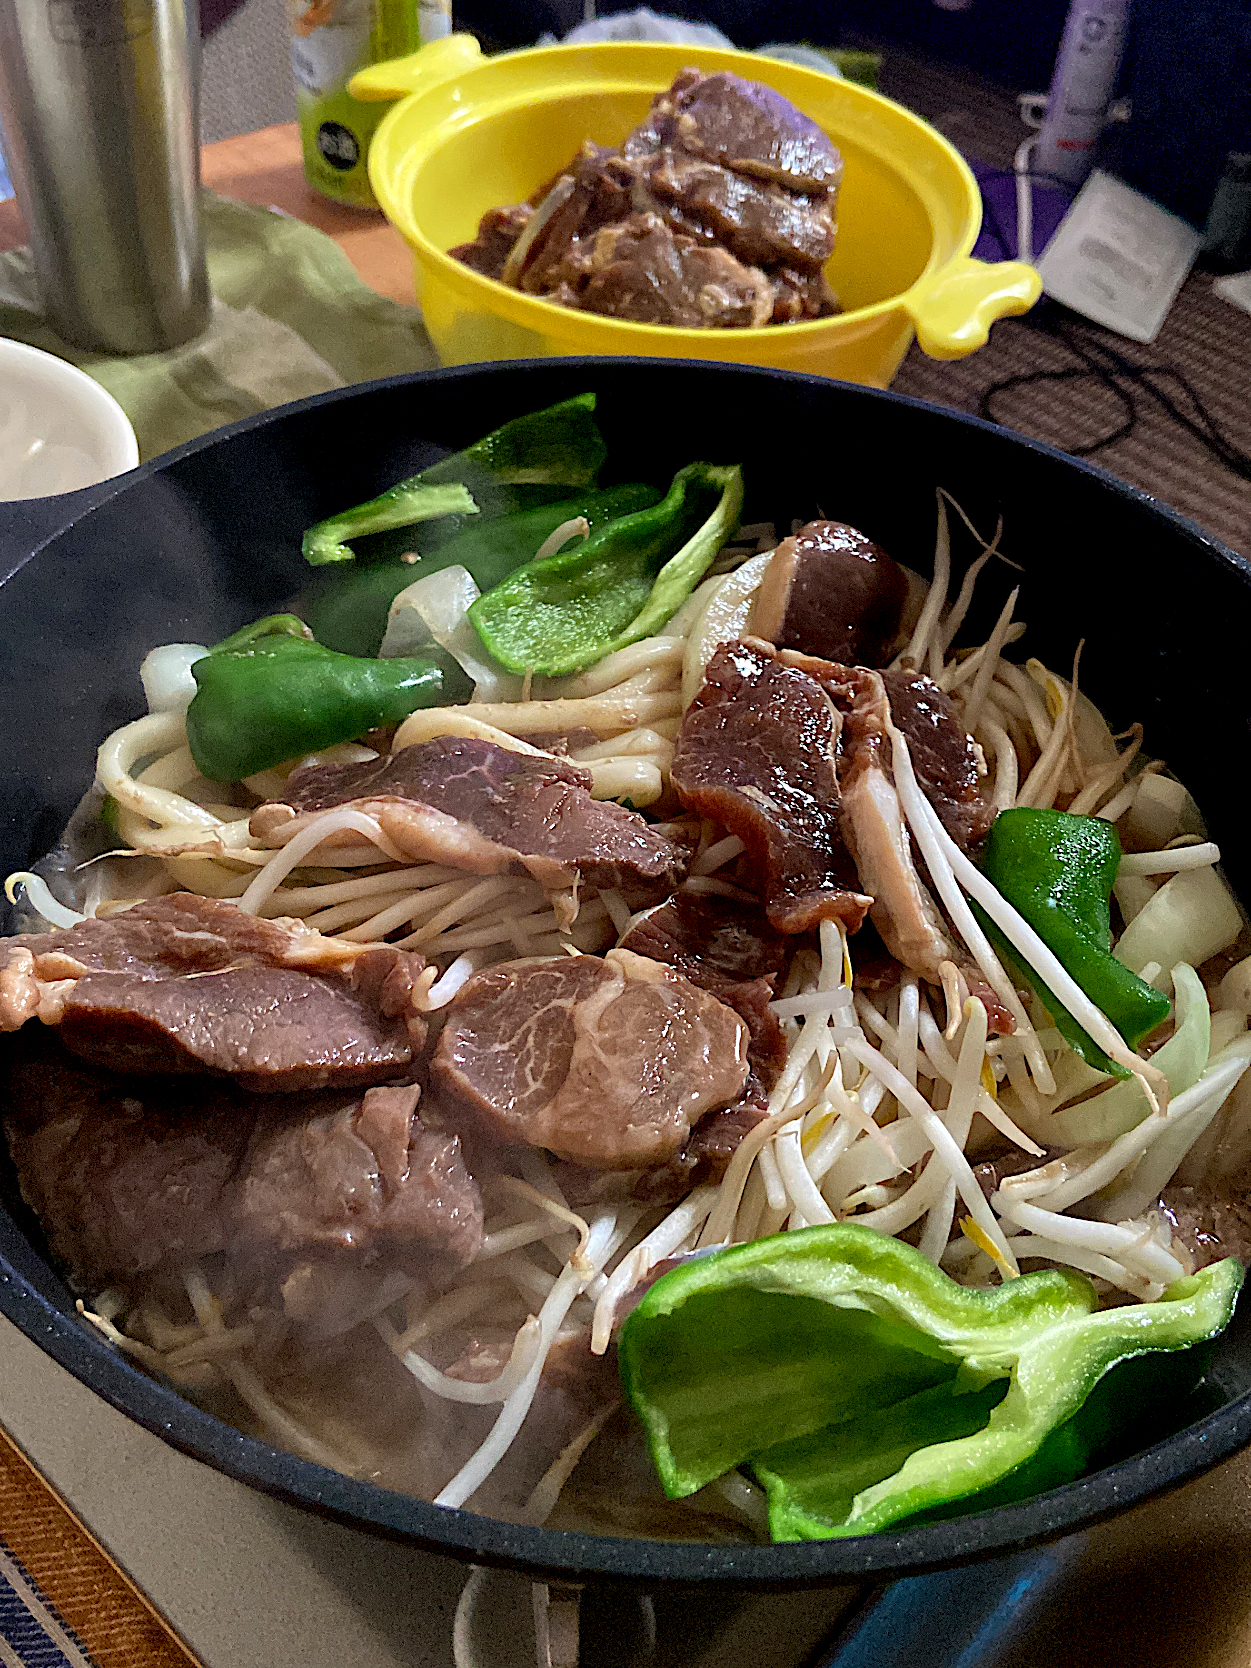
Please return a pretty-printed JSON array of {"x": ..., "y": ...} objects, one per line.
[{"x": 470, "y": 133}]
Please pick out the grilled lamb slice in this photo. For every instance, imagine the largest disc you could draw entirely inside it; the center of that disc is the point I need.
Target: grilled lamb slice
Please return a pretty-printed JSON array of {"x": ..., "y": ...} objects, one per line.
[
  {"x": 360, "y": 1179},
  {"x": 831, "y": 592},
  {"x": 756, "y": 753},
  {"x": 761, "y": 224},
  {"x": 607, "y": 1063},
  {"x": 498, "y": 231},
  {"x": 745, "y": 126},
  {"x": 129, "y": 1176},
  {"x": 477, "y": 806},
  {"x": 190, "y": 984},
  {"x": 643, "y": 270}
]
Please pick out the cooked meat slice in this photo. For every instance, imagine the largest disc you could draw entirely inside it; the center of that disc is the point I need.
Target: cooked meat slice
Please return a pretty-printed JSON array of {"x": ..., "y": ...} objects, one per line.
[
  {"x": 594, "y": 191},
  {"x": 498, "y": 231},
  {"x": 481, "y": 807},
  {"x": 831, "y": 592},
  {"x": 944, "y": 755},
  {"x": 643, "y": 270},
  {"x": 189, "y": 984},
  {"x": 903, "y": 911},
  {"x": 360, "y": 1179},
  {"x": 607, "y": 1063},
  {"x": 1211, "y": 1222},
  {"x": 569, "y": 1366},
  {"x": 761, "y": 224},
  {"x": 744, "y": 125},
  {"x": 756, "y": 753},
  {"x": 799, "y": 296},
  {"x": 707, "y": 935},
  {"x": 125, "y": 1177},
  {"x": 131, "y": 1175},
  {"x": 727, "y": 947}
]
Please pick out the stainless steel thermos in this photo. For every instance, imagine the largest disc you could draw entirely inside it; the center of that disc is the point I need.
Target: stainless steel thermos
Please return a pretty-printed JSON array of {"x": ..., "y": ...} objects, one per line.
[{"x": 100, "y": 106}]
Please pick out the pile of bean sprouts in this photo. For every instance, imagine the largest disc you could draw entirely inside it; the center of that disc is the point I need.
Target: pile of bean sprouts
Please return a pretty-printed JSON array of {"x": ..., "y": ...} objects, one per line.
[{"x": 885, "y": 1101}]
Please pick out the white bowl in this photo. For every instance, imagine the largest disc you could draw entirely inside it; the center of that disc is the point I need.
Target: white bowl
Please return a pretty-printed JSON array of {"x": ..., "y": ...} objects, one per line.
[{"x": 59, "y": 429}]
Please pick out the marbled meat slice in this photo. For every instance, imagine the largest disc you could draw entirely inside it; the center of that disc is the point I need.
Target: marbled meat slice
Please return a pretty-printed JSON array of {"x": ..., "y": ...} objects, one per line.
[
  {"x": 725, "y": 946},
  {"x": 190, "y": 984},
  {"x": 831, "y": 592},
  {"x": 756, "y": 753},
  {"x": 478, "y": 806},
  {"x": 607, "y": 1063},
  {"x": 129, "y": 1176},
  {"x": 944, "y": 755}
]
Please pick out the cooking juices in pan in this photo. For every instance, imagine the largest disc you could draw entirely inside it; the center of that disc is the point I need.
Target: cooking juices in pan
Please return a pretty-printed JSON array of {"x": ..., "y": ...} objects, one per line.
[{"x": 639, "y": 1021}]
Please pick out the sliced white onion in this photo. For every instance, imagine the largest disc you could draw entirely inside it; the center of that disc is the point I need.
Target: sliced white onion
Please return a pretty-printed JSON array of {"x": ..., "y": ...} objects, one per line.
[
  {"x": 436, "y": 610},
  {"x": 168, "y": 684}
]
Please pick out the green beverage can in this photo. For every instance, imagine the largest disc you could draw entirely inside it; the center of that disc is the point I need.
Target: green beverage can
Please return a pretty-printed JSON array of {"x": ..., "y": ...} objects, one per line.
[{"x": 330, "y": 41}]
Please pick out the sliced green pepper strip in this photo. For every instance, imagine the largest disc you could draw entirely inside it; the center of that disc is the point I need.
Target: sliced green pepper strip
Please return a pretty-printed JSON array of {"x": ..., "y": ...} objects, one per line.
[
  {"x": 556, "y": 448},
  {"x": 271, "y": 693},
  {"x": 864, "y": 1386},
  {"x": 347, "y": 608},
  {"x": 1057, "y": 870},
  {"x": 621, "y": 584},
  {"x": 402, "y": 506}
]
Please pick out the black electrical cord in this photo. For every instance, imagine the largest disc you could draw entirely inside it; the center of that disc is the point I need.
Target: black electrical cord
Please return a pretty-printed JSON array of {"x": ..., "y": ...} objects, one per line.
[{"x": 1122, "y": 377}]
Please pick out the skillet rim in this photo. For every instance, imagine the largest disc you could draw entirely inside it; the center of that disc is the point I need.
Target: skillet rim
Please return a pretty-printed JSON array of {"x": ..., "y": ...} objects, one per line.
[{"x": 569, "y": 1554}]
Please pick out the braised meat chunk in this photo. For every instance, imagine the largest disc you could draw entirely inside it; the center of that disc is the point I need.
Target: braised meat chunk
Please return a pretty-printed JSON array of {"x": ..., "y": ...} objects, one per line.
[
  {"x": 607, "y": 1063},
  {"x": 190, "y": 984},
  {"x": 481, "y": 807},
  {"x": 717, "y": 212},
  {"x": 757, "y": 753},
  {"x": 830, "y": 591}
]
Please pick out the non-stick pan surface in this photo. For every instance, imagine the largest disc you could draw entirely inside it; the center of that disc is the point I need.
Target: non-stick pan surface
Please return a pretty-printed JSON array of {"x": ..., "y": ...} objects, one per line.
[{"x": 189, "y": 547}]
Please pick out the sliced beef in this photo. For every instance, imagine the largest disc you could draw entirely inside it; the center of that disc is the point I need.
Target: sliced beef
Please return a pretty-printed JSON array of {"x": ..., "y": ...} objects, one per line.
[
  {"x": 190, "y": 984},
  {"x": 1211, "y": 1222},
  {"x": 591, "y": 1379},
  {"x": 643, "y": 270},
  {"x": 124, "y": 1176},
  {"x": 798, "y": 296},
  {"x": 904, "y": 913},
  {"x": 727, "y": 947},
  {"x": 831, "y": 592},
  {"x": 477, "y": 806},
  {"x": 944, "y": 756},
  {"x": 756, "y": 753},
  {"x": 360, "y": 1178},
  {"x": 129, "y": 1176},
  {"x": 607, "y": 1063}
]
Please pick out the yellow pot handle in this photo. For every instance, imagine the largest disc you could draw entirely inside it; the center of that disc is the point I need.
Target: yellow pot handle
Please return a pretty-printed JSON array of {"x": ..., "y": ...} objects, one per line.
[
  {"x": 954, "y": 311},
  {"x": 440, "y": 61}
]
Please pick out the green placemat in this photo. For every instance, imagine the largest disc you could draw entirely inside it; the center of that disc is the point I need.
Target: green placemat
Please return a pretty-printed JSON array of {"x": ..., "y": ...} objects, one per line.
[{"x": 290, "y": 318}]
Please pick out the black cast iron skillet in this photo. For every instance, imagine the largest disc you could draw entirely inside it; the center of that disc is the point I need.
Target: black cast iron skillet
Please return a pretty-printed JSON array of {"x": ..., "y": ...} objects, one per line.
[{"x": 189, "y": 547}]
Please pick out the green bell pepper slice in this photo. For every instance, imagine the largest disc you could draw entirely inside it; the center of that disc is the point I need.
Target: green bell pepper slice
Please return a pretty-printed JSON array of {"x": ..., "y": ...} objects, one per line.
[
  {"x": 551, "y": 450},
  {"x": 272, "y": 693},
  {"x": 1056, "y": 870},
  {"x": 347, "y": 608},
  {"x": 864, "y": 1386},
  {"x": 621, "y": 584}
]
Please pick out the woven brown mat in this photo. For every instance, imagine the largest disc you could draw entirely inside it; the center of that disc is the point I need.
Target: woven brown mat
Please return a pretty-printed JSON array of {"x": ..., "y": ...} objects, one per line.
[
  {"x": 68, "y": 1571},
  {"x": 1204, "y": 337}
]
